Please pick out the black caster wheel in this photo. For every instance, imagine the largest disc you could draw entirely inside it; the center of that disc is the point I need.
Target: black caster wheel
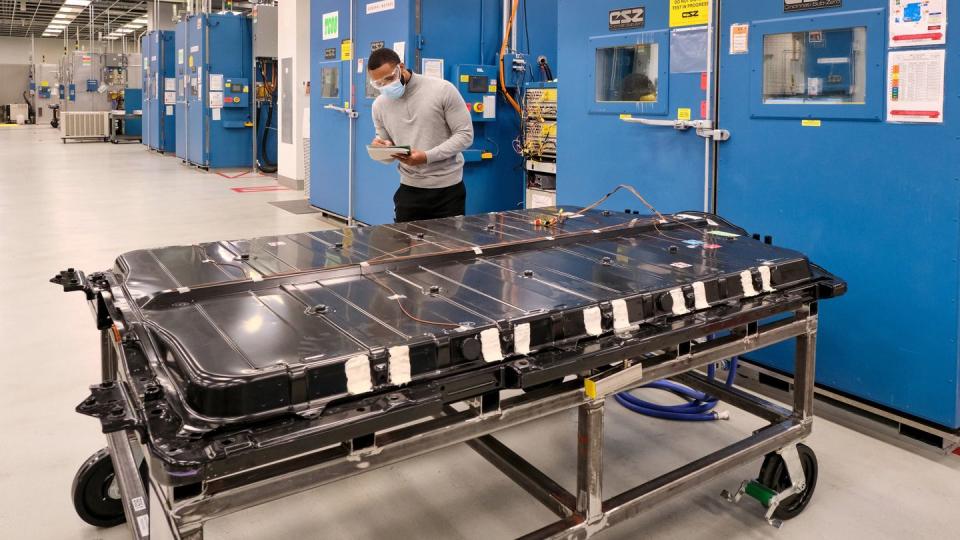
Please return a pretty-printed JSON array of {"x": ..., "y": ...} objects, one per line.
[
  {"x": 96, "y": 493},
  {"x": 773, "y": 474}
]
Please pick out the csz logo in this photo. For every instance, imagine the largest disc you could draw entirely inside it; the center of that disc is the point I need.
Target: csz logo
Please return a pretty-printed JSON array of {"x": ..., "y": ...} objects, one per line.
[
  {"x": 800, "y": 5},
  {"x": 622, "y": 19}
]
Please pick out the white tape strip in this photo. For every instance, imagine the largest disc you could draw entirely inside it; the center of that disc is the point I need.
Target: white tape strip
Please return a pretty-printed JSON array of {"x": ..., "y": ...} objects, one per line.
[
  {"x": 591, "y": 321},
  {"x": 679, "y": 303},
  {"x": 490, "y": 344},
  {"x": 399, "y": 364},
  {"x": 358, "y": 374},
  {"x": 255, "y": 276},
  {"x": 621, "y": 319},
  {"x": 477, "y": 250},
  {"x": 549, "y": 238},
  {"x": 183, "y": 290},
  {"x": 364, "y": 264},
  {"x": 396, "y": 297},
  {"x": 765, "y": 278},
  {"x": 521, "y": 338},
  {"x": 595, "y": 231},
  {"x": 700, "y": 296},
  {"x": 746, "y": 281}
]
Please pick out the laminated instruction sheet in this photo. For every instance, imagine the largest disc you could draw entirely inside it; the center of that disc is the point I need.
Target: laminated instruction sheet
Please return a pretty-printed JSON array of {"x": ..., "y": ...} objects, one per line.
[
  {"x": 918, "y": 22},
  {"x": 915, "y": 86}
]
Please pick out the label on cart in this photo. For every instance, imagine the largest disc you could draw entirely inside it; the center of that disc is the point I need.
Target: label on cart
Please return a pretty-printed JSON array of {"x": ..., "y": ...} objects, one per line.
[
  {"x": 143, "y": 523},
  {"x": 739, "y": 38},
  {"x": 138, "y": 504},
  {"x": 381, "y": 5}
]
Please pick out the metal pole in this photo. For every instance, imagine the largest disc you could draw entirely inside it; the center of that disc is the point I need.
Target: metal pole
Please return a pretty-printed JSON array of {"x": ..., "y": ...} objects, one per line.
[
  {"x": 804, "y": 378},
  {"x": 351, "y": 121},
  {"x": 708, "y": 141},
  {"x": 590, "y": 460},
  {"x": 253, "y": 99}
]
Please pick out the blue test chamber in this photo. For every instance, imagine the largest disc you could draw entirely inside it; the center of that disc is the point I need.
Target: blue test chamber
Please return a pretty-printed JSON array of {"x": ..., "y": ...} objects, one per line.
[
  {"x": 650, "y": 71},
  {"x": 459, "y": 41},
  {"x": 216, "y": 74},
  {"x": 159, "y": 90},
  {"x": 133, "y": 101},
  {"x": 873, "y": 200},
  {"x": 182, "y": 73}
]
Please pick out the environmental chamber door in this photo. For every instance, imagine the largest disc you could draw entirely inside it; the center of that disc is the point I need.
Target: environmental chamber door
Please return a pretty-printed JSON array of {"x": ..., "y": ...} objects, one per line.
[
  {"x": 641, "y": 74},
  {"x": 330, "y": 103},
  {"x": 840, "y": 148}
]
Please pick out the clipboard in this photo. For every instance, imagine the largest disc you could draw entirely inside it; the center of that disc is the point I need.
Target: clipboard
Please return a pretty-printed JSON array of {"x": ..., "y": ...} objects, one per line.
[{"x": 386, "y": 153}]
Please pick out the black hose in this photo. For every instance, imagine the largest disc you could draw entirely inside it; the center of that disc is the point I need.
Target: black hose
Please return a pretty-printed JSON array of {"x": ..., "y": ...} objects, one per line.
[
  {"x": 262, "y": 163},
  {"x": 31, "y": 112}
]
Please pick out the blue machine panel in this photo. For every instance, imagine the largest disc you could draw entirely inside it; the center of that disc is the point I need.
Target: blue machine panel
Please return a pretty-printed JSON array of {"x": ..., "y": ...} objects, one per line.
[
  {"x": 133, "y": 101},
  {"x": 159, "y": 90},
  {"x": 874, "y": 201},
  {"x": 478, "y": 86},
  {"x": 629, "y": 72},
  {"x": 183, "y": 77},
  {"x": 465, "y": 35},
  {"x": 218, "y": 49}
]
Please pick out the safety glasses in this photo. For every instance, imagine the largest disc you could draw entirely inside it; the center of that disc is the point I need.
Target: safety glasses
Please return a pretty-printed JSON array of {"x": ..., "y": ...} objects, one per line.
[{"x": 388, "y": 80}]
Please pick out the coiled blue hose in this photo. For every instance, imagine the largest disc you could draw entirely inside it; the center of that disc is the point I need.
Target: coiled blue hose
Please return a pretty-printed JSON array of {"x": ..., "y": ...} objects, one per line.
[{"x": 698, "y": 408}]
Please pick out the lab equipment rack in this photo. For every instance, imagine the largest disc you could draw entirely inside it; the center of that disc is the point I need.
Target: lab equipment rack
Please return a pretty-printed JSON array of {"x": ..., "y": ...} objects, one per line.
[{"x": 635, "y": 299}]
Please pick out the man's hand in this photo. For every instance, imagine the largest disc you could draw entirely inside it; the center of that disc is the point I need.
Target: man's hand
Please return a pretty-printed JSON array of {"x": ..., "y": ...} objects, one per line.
[
  {"x": 380, "y": 142},
  {"x": 416, "y": 157}
]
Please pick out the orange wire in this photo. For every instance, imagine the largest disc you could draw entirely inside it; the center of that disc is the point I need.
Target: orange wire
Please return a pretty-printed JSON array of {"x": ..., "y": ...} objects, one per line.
[{"x": 503, "y": 49}]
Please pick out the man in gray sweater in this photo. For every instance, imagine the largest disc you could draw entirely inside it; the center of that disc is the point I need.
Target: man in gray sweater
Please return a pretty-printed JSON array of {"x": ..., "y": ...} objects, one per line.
[{"x": 430, "y": 116}]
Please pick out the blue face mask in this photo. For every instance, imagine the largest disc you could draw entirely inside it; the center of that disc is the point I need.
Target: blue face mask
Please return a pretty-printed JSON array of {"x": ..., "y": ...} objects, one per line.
[{"x": 394, "y": 90}]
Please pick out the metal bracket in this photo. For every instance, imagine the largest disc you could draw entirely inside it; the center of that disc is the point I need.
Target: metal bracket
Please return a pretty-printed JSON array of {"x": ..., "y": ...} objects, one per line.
[
  {"x": 349, "y": 112},
  {"x": 704, "y": 128},
  {"x": 108, "y": 403},
  {"x": 73, "y": 280}
]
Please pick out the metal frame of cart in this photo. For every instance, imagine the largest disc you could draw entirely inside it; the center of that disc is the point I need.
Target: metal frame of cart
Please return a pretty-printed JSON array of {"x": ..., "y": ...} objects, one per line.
[{"x": 580, "y": 514}]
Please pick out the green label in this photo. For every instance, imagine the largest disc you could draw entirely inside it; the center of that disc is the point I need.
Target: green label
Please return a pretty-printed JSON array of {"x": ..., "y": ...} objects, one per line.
[{"x": 331, "y": 25}]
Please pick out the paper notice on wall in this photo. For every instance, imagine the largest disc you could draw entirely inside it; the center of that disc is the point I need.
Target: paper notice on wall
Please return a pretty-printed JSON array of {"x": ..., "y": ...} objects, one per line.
[
  {"x": 400, "y": 47},
  {"x": 739, "y": 38},
  {"x": 915, "y": 86},
  {"x": 216, "y": 82},
  {"x": 170, "y": 84},
  {"x": 216, "y": 100},
  {"x": 916, "y": 22},
  {"x": 180, "y": 56},
  {"x": 381, "y": 5},
  {"x": 169, "y": 98},
  {"x": 433, "y": 67},
  {"x": 215, "y": 113},
  {"x": 490, "y": 106},
  {"x": 169, "y": 110}
]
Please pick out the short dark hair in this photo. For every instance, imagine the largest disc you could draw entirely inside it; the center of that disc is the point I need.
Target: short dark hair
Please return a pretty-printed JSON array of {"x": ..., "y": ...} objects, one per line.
[{"x": 382, "y": 56}]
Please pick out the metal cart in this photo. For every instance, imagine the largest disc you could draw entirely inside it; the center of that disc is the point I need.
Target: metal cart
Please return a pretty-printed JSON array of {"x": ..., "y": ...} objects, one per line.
[{"x": 199, "y": 475}]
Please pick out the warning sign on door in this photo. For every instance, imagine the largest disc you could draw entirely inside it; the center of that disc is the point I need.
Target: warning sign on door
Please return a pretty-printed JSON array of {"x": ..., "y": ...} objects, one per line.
[{"x": 689, "y": 12}]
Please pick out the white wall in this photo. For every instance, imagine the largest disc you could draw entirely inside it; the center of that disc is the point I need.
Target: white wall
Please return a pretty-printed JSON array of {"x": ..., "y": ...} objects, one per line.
[
  {"x": 294, "y": 42},
  {"x": 16, "y": 50}
]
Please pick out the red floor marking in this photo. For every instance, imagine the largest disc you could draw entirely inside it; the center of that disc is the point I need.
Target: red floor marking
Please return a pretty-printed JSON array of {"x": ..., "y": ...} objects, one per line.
[
  {"x": 228, "y": 177},
  {"x": 259, "y": 189}
]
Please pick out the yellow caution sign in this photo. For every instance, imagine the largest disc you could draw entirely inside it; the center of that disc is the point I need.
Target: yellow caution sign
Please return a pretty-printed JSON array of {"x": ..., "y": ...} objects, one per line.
[
  {"x": 811, "y": 123},
  {"x": 689, "y": 12},
  {"x": 684, "y": 114},
  {"x": 464, "y": 78},
  {"x": 346, "y": 50}
]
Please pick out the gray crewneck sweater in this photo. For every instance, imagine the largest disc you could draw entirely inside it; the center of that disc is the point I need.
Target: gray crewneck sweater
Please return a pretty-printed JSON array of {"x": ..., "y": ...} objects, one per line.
[{"x": 431, "y": 116}]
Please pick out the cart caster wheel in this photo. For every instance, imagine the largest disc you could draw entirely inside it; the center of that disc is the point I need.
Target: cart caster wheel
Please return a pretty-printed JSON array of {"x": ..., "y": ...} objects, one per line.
[
  {"x": 773, "y": 474},
  {"x": 96, "y": 493}
]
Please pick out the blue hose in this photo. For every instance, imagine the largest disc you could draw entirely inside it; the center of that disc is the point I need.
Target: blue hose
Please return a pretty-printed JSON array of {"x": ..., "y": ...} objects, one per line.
[{"x": 698, "y": 408}]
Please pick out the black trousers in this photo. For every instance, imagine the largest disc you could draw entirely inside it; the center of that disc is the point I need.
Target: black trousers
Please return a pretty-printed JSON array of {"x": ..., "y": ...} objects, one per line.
[{"x": 412, "y": 203}]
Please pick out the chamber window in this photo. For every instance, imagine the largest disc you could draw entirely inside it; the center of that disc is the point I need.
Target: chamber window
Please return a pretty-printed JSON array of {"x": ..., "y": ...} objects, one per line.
[
  {"x": 370, "y": 92},
  {"x": 815, "y": 67},
  {"x": 627, "y": 73},
  {"x": 330, "y": 83}
]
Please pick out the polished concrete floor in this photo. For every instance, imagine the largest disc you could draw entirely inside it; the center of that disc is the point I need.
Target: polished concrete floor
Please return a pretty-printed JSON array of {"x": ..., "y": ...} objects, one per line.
[{"x": 82, "y": 204}]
